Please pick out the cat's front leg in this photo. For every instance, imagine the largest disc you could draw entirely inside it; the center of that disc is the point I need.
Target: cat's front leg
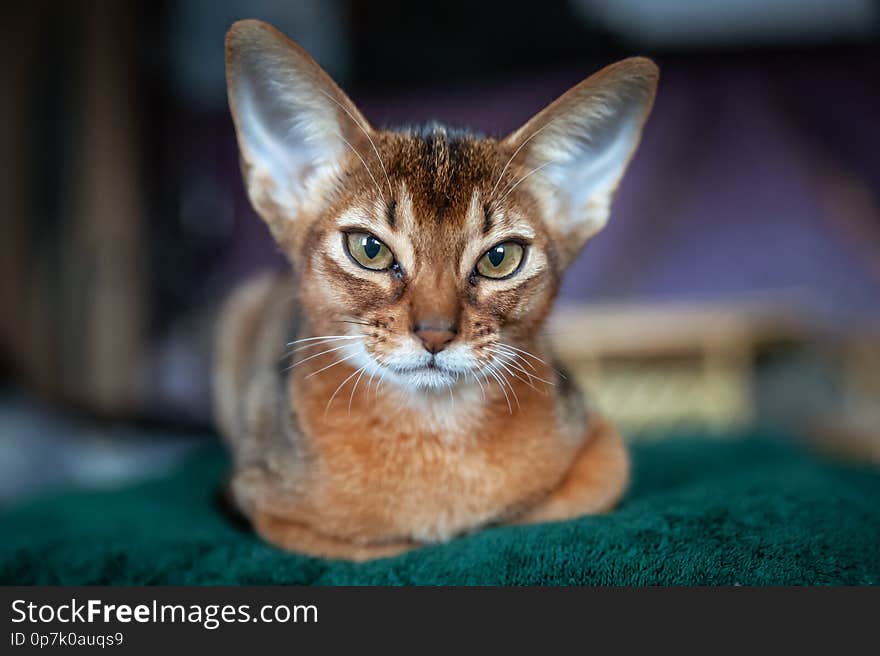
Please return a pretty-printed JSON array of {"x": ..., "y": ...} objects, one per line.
[
  {"x": 594, "y": 484},
  {"x": 281, "y": 511}
]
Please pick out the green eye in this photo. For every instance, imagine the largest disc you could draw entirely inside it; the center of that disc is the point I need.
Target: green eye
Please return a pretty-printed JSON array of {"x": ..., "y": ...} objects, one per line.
[
  {"x": 501, "y": 260},
  {"x": 368, "y": 251}
]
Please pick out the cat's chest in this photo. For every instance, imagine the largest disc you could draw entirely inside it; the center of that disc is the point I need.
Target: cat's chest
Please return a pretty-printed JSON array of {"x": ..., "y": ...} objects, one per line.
[
  {"x": 432, "y": 486},
  {"x": 432, "y": 467}
]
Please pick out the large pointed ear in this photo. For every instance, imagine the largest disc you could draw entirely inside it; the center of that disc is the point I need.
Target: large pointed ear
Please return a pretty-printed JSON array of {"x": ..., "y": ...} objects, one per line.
[
  {"x": 576, "y": 150},
  {"x": 294, "y": 125}
]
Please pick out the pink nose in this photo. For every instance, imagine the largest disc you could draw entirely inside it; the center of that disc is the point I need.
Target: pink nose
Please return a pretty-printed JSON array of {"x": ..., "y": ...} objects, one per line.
[{"x": 435, "y": 338}]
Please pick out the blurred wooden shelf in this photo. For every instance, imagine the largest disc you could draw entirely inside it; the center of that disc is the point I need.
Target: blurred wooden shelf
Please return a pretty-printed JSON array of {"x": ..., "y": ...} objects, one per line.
[{"x": 660, "y": 366}]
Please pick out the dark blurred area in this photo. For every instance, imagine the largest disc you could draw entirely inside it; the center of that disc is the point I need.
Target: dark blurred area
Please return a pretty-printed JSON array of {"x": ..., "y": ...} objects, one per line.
[{"x": 738, "y": 281}]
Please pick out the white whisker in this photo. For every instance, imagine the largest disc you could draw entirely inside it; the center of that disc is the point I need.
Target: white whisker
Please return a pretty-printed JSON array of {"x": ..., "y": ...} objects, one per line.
[
  {"x": 349, "y": 357},
  {"x": 380, "y": 381},
  {"x": 535, "y": 357},
  {"x": 319, "y": 354},
  {"x": 327, "y": 337},
  {"x": 516, "y": 152},
  {"x": 505, "y": 367},
  {"x": 366, "y": 134},
  {"x": 482, "y": 390},
  {"x": 543, "y": 382},
  {"x": 354, "y": 387},
  {"x": 376, "y": 370},
  {"x": 336, "y": 391},
  {"x": 519, "y": 350},
  {"x": 527, "y": 363},
  {"x": 510, "y": 387},
  {"x": 513, "y": 364},
  {"x": 501, "y": 385},
  {"x": 522, "y": 179},
  {"x": 314, "y": 344},
  {"x": 360, "y": 157}
]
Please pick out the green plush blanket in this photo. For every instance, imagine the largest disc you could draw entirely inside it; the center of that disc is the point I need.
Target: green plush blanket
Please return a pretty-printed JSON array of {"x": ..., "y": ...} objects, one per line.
[{"x": 750, "y": 511}]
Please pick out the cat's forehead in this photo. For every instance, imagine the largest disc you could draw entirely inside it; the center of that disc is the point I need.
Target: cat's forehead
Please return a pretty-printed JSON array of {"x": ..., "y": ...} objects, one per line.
[
  {"x": 438, "y": 189},
  {"x": 442, "y": 168}
]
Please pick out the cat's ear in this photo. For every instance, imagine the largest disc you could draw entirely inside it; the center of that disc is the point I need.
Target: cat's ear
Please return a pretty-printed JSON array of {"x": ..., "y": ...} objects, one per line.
[
  {"x": 293, "y": 123},
  {"x": 578, "y": 147}
]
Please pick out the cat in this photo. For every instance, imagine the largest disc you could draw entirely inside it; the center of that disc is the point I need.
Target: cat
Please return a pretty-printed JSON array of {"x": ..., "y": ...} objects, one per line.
[{"x": 394, "y": 389}]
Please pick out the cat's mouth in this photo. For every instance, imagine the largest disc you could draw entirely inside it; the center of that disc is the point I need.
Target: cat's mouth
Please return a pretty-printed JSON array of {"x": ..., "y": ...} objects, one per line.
[
  {"x": 416, "y": 369},
  {"x": 430, "y": 374},
  {"x": 431, "y": 366}
]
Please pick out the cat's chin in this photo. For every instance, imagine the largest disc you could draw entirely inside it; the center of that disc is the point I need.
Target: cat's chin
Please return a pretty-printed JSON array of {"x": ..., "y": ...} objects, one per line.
[{"x": 426, "y": 379}]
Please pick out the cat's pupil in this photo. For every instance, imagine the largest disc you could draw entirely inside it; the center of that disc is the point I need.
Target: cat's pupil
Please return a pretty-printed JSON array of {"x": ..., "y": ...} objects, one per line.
[
  {"x": 371, "y": 247},
  {"x": 496, "y": 255}
]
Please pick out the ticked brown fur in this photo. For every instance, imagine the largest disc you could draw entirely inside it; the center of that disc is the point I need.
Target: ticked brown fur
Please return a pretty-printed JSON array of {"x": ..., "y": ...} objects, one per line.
[{"x": 347, "y": 454}]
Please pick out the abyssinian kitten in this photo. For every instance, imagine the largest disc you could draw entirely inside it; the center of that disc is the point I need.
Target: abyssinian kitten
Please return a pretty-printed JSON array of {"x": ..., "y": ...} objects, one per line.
[{"x": 395, "y": 388}]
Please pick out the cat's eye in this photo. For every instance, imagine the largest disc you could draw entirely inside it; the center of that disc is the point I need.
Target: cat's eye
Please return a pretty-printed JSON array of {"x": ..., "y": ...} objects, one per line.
[
  {"x": 368, "y": 251},
  {"x": 501, "y": 260}
]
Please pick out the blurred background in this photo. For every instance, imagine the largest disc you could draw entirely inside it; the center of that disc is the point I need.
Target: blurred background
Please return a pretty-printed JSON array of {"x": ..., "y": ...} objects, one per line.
[{"x": 738, "y": 282}]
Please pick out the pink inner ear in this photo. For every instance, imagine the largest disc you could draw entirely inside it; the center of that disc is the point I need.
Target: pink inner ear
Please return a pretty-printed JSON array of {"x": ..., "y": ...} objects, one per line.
[{"x": 292, "y": 121}]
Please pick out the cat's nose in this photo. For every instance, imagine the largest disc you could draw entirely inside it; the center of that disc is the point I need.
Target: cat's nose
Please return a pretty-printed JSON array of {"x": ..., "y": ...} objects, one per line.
[{"x": 435, "y": 337}]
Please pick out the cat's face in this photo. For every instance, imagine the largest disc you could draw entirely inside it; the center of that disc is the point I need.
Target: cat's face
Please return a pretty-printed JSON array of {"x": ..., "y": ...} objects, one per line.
[
  {"x": 436, "y": 253},
  {"x": 436, "y": 267}
]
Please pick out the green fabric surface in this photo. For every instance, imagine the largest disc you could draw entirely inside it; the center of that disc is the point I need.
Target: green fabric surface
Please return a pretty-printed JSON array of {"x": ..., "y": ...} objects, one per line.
[{"x": 747, "y": 511}]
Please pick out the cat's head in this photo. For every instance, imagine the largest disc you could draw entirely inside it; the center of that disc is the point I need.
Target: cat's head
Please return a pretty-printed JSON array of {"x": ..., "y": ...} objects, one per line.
[{"x": 437, "y": 251}]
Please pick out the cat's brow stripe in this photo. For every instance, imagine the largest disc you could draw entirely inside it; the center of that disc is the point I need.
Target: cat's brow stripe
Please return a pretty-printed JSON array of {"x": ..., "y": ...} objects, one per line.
[
  {"x": 487, "y": 219},
  {"x": 391, "y": 213}
]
